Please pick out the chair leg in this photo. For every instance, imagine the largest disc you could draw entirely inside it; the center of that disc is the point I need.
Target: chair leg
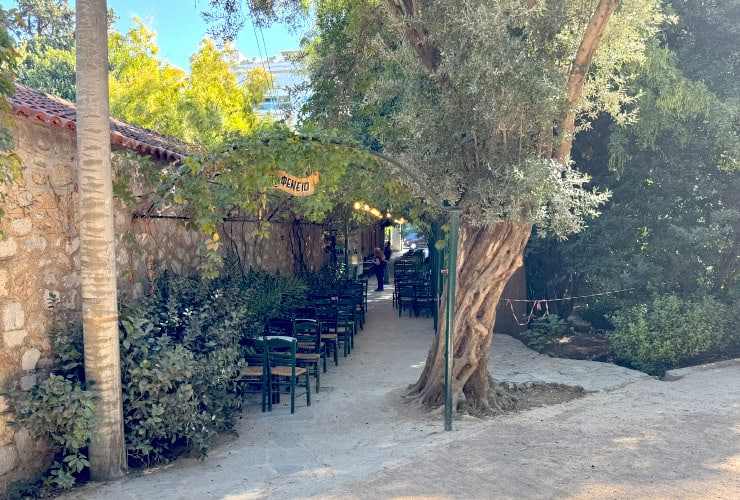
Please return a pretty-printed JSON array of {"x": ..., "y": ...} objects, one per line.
[
  {"x": 308, "y": 390},
  {"x": 292, "y": 395},
  {"x": 318, "y": 377}
]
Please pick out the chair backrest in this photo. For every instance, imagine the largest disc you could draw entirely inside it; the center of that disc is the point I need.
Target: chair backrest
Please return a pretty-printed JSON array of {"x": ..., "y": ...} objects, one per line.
[
  {"x": 305, "y": 313},
  {"x": 279, "y": 326},
  {"x": 345, "y": 316},
  {"x": 308, "y": 334},
  {"x": 256, "y": 354},
  {"x": 281, "y": 351},
  {"x": 327, "y": 316}
]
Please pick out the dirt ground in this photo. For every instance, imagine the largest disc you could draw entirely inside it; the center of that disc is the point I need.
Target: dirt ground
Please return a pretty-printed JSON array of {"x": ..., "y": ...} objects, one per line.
[{"x": 619, "y": 434}]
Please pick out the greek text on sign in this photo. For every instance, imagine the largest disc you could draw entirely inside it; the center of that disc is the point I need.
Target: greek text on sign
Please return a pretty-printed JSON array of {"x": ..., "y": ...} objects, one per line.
[{"x": 297, "y": 186}]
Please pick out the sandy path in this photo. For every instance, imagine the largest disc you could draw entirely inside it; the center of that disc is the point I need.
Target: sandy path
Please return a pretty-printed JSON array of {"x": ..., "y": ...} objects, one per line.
[{"x": 638, "y": 437}]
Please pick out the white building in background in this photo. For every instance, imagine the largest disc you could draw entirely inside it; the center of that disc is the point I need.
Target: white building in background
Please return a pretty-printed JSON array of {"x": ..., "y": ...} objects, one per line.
[{"x": 289, "y": 86}]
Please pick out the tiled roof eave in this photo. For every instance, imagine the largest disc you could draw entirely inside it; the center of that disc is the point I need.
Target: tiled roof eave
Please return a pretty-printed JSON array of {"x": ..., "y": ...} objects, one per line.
[{"x": 52, "y": 111}]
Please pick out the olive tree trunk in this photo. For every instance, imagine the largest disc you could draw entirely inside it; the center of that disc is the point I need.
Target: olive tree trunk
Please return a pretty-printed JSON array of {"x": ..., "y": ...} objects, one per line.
[
  {"x": 107, "y": 453},
  {"x": 487, "y": 257}
]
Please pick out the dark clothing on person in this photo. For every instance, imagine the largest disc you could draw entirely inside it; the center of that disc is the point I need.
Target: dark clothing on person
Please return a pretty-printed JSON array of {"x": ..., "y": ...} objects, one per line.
[
  {"x": 379, "y": 269},
  {"x": 387, "y": 252}
]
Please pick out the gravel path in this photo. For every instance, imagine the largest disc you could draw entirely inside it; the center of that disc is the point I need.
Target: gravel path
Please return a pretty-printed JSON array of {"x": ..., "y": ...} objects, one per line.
[{"x": 636, "y": 437}]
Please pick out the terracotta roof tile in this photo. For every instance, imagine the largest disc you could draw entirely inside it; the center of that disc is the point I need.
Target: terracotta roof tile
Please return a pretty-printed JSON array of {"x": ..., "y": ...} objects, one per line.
[{"x": 56, "y": 112}]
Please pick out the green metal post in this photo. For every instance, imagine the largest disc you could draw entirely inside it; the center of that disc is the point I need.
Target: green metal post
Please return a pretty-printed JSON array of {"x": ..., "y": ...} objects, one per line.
[
  {"x": 346, "y": 249},
  {"x": 454, "y": 214}
]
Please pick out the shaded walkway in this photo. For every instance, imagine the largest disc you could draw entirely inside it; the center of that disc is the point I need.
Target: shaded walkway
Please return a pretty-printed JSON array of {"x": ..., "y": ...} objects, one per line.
[{"x": 643, "y": 437}]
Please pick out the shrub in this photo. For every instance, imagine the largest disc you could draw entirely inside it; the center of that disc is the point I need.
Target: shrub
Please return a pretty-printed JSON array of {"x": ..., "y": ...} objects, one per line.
[
  {"x": 542, "y": 330},
  {"x": 657, "y": 336},
  {"x": 60, "y": 409}
]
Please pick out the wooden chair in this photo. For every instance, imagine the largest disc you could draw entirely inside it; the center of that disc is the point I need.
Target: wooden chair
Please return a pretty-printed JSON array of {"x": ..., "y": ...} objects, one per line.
[
  {"x": 424, "y": 299},
  {"x": 327, "y": 316},
  {"x": 406, "y": 298},
  {"x": 255, "y": 377},
  {"x": 285, "y": 375},
  {"x": 345, "y": 329},
  {"x": 310, "y": 351},
  {"x": 279, "y": 326}
]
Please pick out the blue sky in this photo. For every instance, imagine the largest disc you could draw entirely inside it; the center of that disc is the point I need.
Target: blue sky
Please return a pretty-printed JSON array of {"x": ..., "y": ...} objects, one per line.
[{"x": 180, "y": 28}]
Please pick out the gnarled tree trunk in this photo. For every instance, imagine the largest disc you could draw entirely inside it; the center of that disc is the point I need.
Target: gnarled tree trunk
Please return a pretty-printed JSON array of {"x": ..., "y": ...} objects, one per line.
[{"x": 487, "y": 257}]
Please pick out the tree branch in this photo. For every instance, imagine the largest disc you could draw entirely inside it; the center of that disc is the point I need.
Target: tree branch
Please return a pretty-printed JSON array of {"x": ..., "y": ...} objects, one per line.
[{"x": 579, "y": 70}]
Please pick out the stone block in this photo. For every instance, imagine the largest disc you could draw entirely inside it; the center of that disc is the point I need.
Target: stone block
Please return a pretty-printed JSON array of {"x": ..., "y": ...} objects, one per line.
[
  {"x": 8, "y": 458},
  {"x": 35, "y": 243},
  {"x": 13, "y": 316},
  {"x": 24, "y": 199},
  {"x": 38, "y": 178},
  {"x": 60, "y": 178},
  {"x": 3, "y": 404},
  {"x": 28, "y": 382},
  {"x": 6, "y": 431},
  {"x": 21, "y": 227},
  {"x": 14, "y": 338},
  {"x": 30, "y": 358},
  {"x": 25, "y": 445},
  {"x": 8, "y": 247},
  {"x": 4, "y": 283}
]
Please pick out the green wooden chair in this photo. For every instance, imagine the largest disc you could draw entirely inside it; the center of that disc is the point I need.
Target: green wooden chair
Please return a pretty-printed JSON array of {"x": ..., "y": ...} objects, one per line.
[
  {"x": 346, "y": 327},
  {"x": 254, "y": 378},
  {"x": 327, "y": 316},
  {"x": 310, "y": 351},
  {"x": 285, "y": 375}
]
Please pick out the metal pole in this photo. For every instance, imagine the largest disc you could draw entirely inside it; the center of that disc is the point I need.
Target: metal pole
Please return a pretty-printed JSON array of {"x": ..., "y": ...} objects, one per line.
[
  {"x": 454, "y": 214},
  {"x": 346, "y": 249}
]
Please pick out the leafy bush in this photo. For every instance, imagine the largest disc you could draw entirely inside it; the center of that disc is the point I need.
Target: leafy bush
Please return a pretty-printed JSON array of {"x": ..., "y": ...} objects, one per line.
[
  {"x": 181, "y": 349},
  {"x": 542, "y": 330},
  {"x": 60, "y": 409},
  {"x": 657, "y": 336}
]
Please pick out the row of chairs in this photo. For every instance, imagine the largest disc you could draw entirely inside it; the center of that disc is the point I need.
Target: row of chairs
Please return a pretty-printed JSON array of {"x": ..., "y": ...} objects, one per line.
[{"x": 329, "y": 324}]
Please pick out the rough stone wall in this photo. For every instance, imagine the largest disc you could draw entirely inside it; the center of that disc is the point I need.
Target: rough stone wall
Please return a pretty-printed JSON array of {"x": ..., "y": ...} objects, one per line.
[
  {"x": 286, "y": 247},
  {"x": 39, "y": 257}
]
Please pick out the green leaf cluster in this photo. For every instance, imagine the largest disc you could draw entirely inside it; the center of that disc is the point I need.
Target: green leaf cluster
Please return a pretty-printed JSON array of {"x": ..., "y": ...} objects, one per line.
[
  {"x": 541, "y": 331},
  {"x": 658, "y": 335},
  {"x": 60, "y": 409}
]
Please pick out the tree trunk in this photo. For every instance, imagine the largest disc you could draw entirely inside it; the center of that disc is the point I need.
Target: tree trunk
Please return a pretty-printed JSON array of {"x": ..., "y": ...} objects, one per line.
[
  {"x": 487, "y": 257},
  {"x": 107, "y": 454}
]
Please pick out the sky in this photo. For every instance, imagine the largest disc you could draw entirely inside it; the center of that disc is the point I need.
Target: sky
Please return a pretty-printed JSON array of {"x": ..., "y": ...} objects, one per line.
[{"x": 180, "y": 28}]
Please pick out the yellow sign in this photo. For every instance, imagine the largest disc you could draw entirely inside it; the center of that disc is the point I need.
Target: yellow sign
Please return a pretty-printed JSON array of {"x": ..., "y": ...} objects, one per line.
[{"x": 297, "y": 186}]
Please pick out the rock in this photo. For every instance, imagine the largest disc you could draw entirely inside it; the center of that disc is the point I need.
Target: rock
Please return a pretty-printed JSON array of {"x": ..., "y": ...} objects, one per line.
[
  {"x": 4, "y": 283},
  {"x": 25, "y": 445},
  {"x": 14, "y": 338},
  {"x": 35, "y": 243},
  {"x": 30, "y": 358},
  {"x": 13, "y": 316},
  {"x": 3, "y": 404},
  {"x": 8, "y": 247},
  {"x": 28, "y": 382},
  {"x": 21, "y": 227},
  {"x": 8, "y": 458}
]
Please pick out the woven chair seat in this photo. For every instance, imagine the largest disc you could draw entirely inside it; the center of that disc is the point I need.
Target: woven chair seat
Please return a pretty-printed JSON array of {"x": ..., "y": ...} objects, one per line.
[
  {"x": 308, "y": 356},
  {"x": 251, "y": 371},
  {"x": 286, "y": 371}
]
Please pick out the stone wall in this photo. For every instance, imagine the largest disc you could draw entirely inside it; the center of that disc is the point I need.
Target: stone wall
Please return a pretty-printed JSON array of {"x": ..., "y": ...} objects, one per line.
[{"x": 39, "y": 258}]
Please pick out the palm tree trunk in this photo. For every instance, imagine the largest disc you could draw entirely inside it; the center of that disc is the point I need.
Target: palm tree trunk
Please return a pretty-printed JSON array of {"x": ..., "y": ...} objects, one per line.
[{"x": 107, "y": 454}]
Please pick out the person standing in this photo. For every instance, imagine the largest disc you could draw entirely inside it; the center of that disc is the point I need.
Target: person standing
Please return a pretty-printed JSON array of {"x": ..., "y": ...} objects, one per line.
[
  {"x": 387, "y": 252},
  {"x": 379, "y": 268}
]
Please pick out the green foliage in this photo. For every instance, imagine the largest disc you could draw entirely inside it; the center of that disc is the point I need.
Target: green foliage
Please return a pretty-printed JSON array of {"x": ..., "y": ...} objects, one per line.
[
  {"x": 180, "y": 354},
  {"x": 200, "y": 107},
  {"x": 474, "y": 121},
  {"x": 238, "y": 178},
  {"x": 62, "y": 410},
  {"x": 542, "y": 331},
  {"x": 658, "y": 335}
]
